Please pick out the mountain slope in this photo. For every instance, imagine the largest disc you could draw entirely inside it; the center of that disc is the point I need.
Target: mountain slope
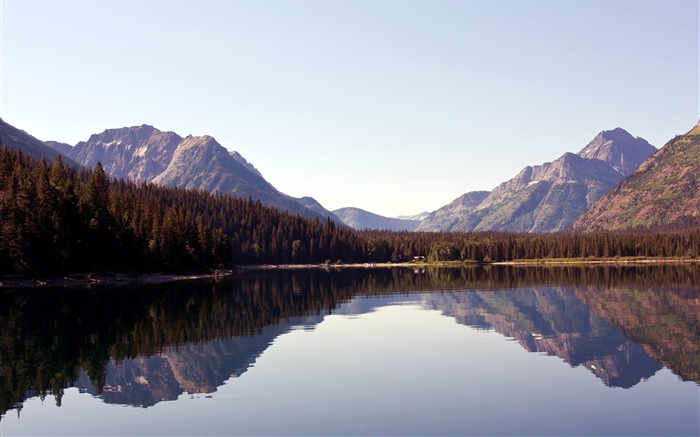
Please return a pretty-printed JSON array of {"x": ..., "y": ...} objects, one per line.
[
  {"x": 17, "y": 139},
  {"x": 547, "y": 197},
  {"x": 147, "y": 154},
  {"x": 360, "y": 219},
  {"x": 663, "y": 192},
  {"x": 447, "y": 217}
]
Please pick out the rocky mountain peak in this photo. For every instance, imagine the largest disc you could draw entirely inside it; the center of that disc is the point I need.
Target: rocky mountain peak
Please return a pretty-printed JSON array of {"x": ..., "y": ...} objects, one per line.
[
  {"x": 137, "y": 152},
  {"x": 618, "y": 148},
  {"x": 548, "y": 197},
  {"x": 134, "y": 136},
  {"x": 144, "y": 153},
  {"x": 664, "y": 191}
]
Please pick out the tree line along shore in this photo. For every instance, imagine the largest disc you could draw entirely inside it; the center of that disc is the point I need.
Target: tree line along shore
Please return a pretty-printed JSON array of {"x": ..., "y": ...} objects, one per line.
[{"x": 58, "y": 220}]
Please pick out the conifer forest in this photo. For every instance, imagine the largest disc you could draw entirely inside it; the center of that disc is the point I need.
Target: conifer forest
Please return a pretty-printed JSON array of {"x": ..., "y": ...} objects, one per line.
[{"x": 57, "y": 219}]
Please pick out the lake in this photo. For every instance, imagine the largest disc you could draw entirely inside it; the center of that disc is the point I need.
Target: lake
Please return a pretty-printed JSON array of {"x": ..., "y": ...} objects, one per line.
[{"x": 496, "y": 350}]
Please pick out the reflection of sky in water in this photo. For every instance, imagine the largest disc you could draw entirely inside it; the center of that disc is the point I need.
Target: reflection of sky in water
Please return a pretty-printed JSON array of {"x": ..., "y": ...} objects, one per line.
[{"x": 390, "y": 366}]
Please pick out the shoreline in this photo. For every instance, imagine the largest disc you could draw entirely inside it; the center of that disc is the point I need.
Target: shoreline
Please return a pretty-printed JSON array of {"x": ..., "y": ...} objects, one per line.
[
  {"x": 87, "y": 279},
  {"x": 525, "y": 263}
]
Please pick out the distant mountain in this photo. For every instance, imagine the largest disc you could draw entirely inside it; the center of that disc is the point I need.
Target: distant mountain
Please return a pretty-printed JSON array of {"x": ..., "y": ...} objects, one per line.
[
  {"x": 360, "y": 219},
  {"x": 447, "y": 217},
  {"x": 17, "y": 139},
  {"x": 547, "y": 197},
  {"x": 62, "y": 148},
  {"x": 663, "y": 192},
  {"x": 420, "y": 216},
  {"x": 147, "y": 154}
]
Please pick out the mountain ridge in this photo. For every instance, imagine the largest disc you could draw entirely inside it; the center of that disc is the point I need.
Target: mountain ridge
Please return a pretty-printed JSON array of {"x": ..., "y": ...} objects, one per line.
[
  {"x": 18, "y": 139},
  {"x": 664, "y": 191},
  {"x": 548, "y": 197},
  {"x": 145, "y": 153}
]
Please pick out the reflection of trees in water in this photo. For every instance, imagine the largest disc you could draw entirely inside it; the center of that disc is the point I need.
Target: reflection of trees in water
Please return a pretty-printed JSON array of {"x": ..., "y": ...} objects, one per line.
[{"x": 47, "y": 336}]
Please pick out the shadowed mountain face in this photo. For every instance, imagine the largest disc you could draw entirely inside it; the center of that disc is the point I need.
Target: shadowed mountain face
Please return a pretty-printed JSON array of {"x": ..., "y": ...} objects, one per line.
[
  {"x": 147, "y": 154},
  {"x": 139, "y": 345},
  {"x": 547, "y": 197},
  {"x": 662, "y": 192},
  {"x": 17, "y": 139}
]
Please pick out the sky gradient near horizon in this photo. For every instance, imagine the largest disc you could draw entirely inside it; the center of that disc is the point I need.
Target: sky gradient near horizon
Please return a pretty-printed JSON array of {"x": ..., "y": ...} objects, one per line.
[{"x": 393, "y": 107}]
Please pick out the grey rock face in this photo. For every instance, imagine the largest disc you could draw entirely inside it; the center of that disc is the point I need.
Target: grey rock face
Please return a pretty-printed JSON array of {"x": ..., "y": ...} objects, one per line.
[
  {"x": 551, "y": 196},
  {"x": 144, "y": 153}
]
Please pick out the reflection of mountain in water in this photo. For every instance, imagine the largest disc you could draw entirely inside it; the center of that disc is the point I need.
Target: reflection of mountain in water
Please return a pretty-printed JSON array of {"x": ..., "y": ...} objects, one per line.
[
  {"x": 552, "y": 321},
  {"x": 200, "y": 367},
  {"x": 189, "y": 368},
  {"x": 141, "y": 344},
  {"x": 664, "y": 320}
]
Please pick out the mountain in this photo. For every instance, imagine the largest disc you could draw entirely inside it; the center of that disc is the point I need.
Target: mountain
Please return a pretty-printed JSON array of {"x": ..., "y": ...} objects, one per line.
[
  {"x": 140, "y": 152},
  {"x": 664, "y": 191},
  {"x": 237, "y": 156},
  {"x": 61, "y": 148},
  {"x": 449, "y": 215},
  {"x": 147, "y": 154},
  {"x": 420, "y": 216},
  {"x": 547, "y": 197},
  {"x": 619, "y": 149},
  {"x": 360, "y": 219},
  {"x": 17, "y": 139}
]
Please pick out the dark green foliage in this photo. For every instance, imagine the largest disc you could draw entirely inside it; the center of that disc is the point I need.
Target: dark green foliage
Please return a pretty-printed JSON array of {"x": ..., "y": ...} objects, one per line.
[{"x": 57, "y": 220}]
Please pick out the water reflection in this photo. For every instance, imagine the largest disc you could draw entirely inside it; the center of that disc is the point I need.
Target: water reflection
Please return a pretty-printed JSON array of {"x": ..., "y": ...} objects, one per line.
[
  {"x": 141, "y": 345},
  {"x": 551, "y": 320}
]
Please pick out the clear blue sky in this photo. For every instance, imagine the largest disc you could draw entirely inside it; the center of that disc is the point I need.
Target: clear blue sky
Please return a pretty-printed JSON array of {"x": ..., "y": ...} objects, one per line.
[{"x": 393, "y": 107}]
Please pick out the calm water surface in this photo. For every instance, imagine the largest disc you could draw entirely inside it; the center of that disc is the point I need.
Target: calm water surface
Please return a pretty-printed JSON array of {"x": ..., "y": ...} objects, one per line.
[{"x": 477, "y": 351}]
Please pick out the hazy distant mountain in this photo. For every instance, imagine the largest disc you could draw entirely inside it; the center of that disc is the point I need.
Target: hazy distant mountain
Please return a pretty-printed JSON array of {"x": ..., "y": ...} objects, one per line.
[
  {"x": 199, "y": 162},
  {"x": 360, "y": 219},
  {"x": 663, "y": 192},
  {"x": 420, "y": 216},
  {"x": 17, "y": 139},
  {"x": 62, "y": 148},
  {"x": 547, "y": 197}
]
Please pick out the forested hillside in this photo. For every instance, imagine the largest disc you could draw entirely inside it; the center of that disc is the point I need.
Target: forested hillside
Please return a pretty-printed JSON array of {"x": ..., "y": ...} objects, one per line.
[
  {"x": 57, "y": 220},
  {"x": 663, "y": 192}
]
